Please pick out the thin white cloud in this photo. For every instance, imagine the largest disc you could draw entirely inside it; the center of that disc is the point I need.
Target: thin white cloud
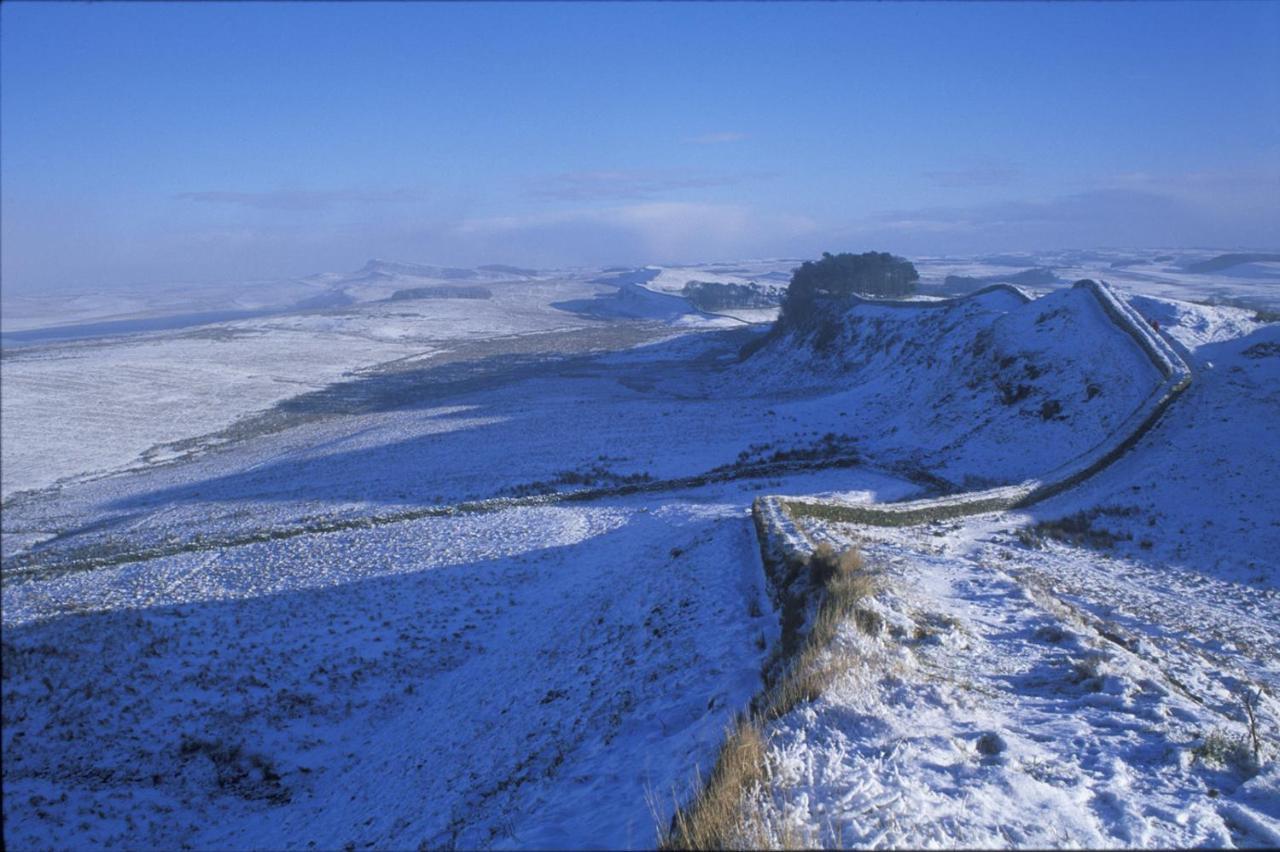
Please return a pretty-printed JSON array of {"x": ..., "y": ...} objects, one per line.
[
  {"x": 1252, "y": 193},
  {"x": 1114, "y": 216},
  {"x": 1080, "y": 209}
]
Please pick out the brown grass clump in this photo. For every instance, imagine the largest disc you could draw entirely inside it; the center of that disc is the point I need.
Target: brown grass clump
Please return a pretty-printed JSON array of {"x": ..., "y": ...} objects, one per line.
[
  {"x": 826, "y": 563},
  {"x": 804, "y": 681},
  {"x": 720, "y": 816},
  {"x": 815, "y": 665}
]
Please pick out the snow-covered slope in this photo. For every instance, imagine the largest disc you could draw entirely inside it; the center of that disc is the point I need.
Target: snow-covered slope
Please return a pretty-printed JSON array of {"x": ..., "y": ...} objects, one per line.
[
  {"x": 158, "y": 388},
  {"x": 1205, "y": 486},
  {"x": 1075, "y": 674},
  {"x": 1185, "y": 274},
  {"x": 381, "y": 279},
  {"x": 987, "y": 389},
  {"x": 507, "y": 680},
  {"x": 994, "y": 701},
  {"x": 764, "y": 274},
  {"x": 128, "y": 310},
  {"x": 498, "y": 584}
]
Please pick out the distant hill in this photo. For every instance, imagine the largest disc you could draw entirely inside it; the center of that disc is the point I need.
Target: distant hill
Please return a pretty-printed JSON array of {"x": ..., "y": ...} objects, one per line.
[
  {"x": 1226, "y": 261},
  {"x": 507, "y": 270},
  {"x": 1040, "y": 276},
  {"x": 388, "y": 268},
  {"x": 955, "y": 386},
  {"x": 443, "y": 291}
]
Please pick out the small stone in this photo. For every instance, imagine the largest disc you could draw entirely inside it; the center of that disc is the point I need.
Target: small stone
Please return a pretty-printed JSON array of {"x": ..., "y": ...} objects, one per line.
[{"x": 990, "y": 744}]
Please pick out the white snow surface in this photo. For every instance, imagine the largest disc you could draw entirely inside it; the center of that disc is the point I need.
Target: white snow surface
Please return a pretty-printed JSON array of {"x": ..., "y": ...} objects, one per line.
[
  {"x": 254, "y": 613},
  {"x": 526, "y": 680},
  {"x": 763, "y": 273},
  {"x": 995, "y": 708},
  {"x": 1167, "y": 273},
  {"x": 1064, "y": 696},
  {"x": 87, "y": 407},
  {"x": 951, "y": 389}
]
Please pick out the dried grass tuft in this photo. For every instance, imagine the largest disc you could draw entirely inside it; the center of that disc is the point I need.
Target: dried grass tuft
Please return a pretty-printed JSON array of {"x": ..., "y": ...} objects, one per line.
[{"x": 724, "y": 815}]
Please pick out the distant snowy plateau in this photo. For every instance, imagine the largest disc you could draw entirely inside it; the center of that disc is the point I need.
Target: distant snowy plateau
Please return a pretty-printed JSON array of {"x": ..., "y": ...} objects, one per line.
[{"x": 419, "y": 557}]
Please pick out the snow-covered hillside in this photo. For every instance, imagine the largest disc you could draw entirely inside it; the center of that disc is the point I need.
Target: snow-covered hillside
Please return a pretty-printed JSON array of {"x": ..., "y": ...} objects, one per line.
[
  {"x": 1074, "y": 673},
  {"x": 447, "y": 569},
  {"x": 1005, "y": 697},
  {"x": 516, "y": 679},
  {"x": 953, "y": 389},
  {"x": 1185, "y": 274}
]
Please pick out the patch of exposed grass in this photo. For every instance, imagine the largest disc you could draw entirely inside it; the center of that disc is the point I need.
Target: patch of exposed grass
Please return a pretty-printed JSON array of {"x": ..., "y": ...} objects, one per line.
[
  {"x": 1265, "y": 349},
  {"x": 1079, "y": 529},
  {"x": 826, "y": 563},
  {"x": 719, "y": 817},
  {"x": 1227, "y": 750},
  {"x": 722, "y": 815},
  {"x": 815, "y": 665},
  {"x": 248, "y": 775},
  {"x": 1090, "y": 672}
]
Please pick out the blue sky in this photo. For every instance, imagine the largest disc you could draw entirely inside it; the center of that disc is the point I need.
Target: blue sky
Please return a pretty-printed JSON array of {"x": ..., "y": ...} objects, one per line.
[{"x": 176, "y": 142}]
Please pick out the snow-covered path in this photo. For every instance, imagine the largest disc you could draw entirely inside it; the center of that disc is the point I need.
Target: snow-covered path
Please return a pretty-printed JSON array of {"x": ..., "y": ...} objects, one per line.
[{"x": 987, "y": 713}]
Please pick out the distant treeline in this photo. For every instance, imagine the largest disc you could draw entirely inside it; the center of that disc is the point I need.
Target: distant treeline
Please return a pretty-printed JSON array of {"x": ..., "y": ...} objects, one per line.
[
  {"x": 821, "y": 291},
  {"x": 718, "y": 296}
]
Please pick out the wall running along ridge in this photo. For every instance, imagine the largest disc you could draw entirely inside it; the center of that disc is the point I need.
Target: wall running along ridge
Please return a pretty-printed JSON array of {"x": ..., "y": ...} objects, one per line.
[
  {"x": 786, "y": 549},
  {"x": 781, "y": 538}
]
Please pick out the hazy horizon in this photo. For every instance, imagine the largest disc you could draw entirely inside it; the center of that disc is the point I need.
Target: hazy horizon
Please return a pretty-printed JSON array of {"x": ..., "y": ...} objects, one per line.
[{"x": 174, "y": 143}]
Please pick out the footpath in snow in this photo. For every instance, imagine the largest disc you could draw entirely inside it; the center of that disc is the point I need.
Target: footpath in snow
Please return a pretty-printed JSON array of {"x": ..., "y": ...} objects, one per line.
[
  {"x": 1081, "y": 672},
  {"x": 980, "y": 709}
]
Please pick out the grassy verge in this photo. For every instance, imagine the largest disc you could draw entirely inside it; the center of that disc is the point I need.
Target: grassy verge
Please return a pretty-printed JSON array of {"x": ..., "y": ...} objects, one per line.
[{"x": 721, "y": 814}]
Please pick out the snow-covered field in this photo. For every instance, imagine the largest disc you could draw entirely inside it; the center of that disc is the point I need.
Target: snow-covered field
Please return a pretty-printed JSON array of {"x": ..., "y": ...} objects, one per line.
[
  {"x": 320, "y": 576},
  {"x": 1185, "y": 274},
  {"x": 99, "y": 404},
  {"x": 523, "y": 678}
]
